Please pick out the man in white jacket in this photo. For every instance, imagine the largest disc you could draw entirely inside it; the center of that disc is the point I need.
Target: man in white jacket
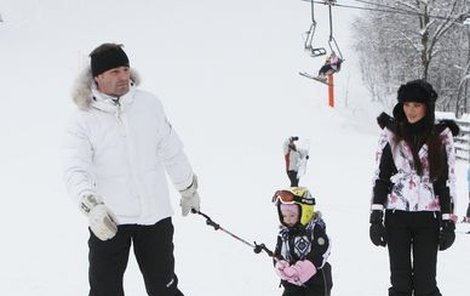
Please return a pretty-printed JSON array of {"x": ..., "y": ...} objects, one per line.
[{"x": 118, "y": 146}]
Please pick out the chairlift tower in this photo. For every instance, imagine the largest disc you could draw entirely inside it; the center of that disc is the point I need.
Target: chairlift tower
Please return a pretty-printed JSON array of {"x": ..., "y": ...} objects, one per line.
[{"x": 315, "y": 51}]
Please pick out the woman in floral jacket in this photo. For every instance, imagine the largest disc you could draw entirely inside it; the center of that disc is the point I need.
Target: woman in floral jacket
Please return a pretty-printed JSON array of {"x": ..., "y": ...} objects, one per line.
[{"x": 414, "y": 185}]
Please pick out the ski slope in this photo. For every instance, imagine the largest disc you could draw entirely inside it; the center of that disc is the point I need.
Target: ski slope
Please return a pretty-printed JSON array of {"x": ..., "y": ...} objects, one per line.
[{"x": 227, "y": 73}]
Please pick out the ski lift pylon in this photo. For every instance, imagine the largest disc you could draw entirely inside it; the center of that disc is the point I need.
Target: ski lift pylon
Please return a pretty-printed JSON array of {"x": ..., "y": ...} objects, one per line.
[{"x": 334, "y": 60}]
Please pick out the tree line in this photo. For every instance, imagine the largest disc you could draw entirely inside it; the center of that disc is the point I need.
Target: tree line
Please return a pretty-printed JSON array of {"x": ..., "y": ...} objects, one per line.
[{"x": 412, "y": 39}]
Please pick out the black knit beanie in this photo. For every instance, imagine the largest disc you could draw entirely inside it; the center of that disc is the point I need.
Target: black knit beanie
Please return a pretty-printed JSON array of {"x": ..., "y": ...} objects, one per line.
[
  {"x": 416, "y": 91},
  {"x": 107, "y": 56}
]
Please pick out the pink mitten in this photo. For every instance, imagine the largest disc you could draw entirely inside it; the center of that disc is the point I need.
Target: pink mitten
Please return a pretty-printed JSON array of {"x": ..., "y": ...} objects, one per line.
[
  {"x": 291, "y": 275},
  {"x": 304, "y": 270},
  {"x": 290, "y": 272},
  {"x": 280, "y": 266}
]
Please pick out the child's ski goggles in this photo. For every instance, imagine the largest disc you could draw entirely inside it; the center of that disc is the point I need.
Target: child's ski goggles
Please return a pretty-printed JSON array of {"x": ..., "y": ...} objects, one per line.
[{"x": 287, "y": 197}]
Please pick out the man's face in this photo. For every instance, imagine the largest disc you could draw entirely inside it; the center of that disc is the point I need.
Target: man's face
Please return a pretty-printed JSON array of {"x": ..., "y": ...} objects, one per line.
[{"x": 114, "y": 82}]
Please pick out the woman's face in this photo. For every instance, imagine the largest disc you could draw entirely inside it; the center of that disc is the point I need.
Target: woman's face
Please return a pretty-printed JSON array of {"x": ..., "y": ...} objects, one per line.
[{"x": 414, "y": 111}]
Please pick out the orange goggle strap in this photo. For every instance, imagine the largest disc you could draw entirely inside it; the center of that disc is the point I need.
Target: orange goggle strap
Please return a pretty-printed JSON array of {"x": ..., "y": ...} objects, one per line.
[{"x": 287, "y": 197}]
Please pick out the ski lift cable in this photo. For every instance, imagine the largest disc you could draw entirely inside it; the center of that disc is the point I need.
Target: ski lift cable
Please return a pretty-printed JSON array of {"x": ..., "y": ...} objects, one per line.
[
  {"x": 397, "y": 12},
  {"x": 404, "y": 11},
  {"x": 390, "y": 10},
  {"x": 384, "y": 5},
  {"x": 365, "y": 8},
  {"x": 413, "y": 13}
]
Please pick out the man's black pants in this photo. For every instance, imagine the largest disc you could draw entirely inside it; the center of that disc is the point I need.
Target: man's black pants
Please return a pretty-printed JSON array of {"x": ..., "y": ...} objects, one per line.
[
  {"x": 153, "y": 249},
  {"x": 294, "y": 181}
]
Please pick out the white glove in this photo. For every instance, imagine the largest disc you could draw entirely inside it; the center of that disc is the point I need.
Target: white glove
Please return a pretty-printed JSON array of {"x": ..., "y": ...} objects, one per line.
[
  {"x": 101, "y": 220},
  {"x": 190, "y": 198}
]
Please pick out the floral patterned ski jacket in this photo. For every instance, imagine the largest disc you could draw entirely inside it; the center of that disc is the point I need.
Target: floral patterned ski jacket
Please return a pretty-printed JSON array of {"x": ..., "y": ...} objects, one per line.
[{"x": 397, "y": 185}]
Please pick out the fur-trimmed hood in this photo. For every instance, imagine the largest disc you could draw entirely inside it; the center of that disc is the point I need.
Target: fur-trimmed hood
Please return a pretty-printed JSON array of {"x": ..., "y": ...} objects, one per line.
[
  {"x": 385, "y": 120},
  {"x": 82, "y": 90}
]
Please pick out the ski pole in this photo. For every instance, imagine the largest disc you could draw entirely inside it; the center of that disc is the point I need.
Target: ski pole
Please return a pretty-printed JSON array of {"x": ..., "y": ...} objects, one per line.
[{"x": 257, "y": 248}]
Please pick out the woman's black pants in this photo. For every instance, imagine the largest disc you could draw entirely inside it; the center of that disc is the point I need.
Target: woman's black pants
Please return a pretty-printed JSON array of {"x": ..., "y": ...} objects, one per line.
[{"x": 412, "y": 239}]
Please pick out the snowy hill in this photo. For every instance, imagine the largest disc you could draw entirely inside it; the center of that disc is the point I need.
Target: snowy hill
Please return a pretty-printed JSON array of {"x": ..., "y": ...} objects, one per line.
[{"x": 227, "y": 75}]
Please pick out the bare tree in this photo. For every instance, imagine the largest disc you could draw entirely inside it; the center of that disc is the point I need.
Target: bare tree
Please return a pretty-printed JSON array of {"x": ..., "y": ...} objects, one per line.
[{"x": 413, "y": 39}]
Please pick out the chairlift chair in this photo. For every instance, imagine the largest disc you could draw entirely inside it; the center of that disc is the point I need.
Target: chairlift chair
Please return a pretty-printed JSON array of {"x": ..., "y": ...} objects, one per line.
[
  {"x": 332, "y": 41},
  {"x": 319, "y": 51},
  {"x": 335, "y": 48},
  {"x": 313, "y": 51}
]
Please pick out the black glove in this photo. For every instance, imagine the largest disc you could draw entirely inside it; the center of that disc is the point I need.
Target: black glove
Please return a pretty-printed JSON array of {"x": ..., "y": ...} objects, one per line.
[
  {"x": 466, "y": 219},
  {"x": 446, "y": 234},
  {"x": 377, "y": 228}
]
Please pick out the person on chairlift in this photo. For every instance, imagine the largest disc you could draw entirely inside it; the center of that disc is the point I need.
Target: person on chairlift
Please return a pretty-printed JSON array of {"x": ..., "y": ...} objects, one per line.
[{"x": 331, "y": 66}]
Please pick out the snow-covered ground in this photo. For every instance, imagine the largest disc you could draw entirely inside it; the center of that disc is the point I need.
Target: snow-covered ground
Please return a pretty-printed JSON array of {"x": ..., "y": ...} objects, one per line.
[{"x": 227, "y": 75}]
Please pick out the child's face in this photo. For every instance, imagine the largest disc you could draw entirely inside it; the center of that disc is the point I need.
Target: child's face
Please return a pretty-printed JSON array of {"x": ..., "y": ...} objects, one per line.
[{"x": 290, "y": 218}]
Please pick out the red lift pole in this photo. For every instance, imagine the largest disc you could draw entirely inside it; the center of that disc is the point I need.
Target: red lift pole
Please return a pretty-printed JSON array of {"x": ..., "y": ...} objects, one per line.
[{"x": 331, "y": 91}]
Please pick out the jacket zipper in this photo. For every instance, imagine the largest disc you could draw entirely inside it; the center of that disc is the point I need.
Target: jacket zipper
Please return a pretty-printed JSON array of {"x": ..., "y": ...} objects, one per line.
[
  {"x": 117, "y": 115},
  {"x": 123, "y": 132}
]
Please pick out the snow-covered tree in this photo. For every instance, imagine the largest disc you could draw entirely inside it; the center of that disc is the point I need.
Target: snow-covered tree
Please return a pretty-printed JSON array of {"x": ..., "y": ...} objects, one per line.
[{"x": 400, "y": 40}]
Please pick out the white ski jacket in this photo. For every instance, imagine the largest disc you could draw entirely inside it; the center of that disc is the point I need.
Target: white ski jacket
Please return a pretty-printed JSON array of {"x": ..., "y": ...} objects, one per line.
[
  {"x": 293, "y": 157},
  {"x": 121, "y": 152}
]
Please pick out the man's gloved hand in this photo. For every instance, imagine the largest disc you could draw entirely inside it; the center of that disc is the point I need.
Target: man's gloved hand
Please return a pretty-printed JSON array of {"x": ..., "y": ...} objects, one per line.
[
  {"x": 377, "y": 228},
  {"x": 292, "y": 139},
  {"x": 446, "y": 234},
  {"x": 190, "y": 198},
  {"x": 101, "y": 220}
]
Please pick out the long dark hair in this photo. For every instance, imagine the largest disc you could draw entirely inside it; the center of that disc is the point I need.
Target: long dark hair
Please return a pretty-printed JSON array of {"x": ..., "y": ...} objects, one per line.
[
  {"x": 416, "y": 138},
  {"x": 436, "y": 156}
]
